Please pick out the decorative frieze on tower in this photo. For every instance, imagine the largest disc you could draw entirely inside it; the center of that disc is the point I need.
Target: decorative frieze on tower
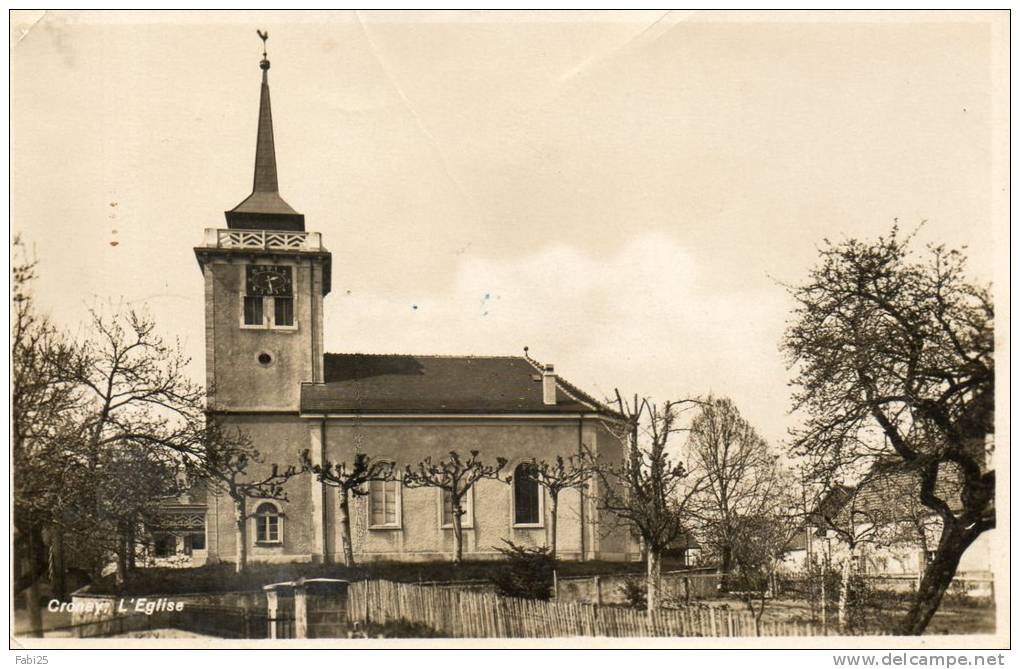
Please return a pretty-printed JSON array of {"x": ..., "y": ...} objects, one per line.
[{"x": 265, "y": 277}]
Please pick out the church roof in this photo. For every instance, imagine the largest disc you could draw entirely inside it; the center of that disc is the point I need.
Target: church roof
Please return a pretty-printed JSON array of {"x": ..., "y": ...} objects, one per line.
[{"x": 434, "y": 384}]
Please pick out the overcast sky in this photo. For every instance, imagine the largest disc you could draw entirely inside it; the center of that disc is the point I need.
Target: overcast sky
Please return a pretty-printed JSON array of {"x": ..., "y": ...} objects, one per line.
[{"x": 620, "y": 192}]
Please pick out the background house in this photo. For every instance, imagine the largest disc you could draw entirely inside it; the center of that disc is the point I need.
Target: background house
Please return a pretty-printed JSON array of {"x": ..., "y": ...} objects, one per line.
[{"x": 907, "y": 538}]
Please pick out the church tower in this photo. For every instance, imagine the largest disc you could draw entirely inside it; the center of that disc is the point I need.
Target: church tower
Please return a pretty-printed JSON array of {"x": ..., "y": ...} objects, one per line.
[{"x": 265, "y": 277}]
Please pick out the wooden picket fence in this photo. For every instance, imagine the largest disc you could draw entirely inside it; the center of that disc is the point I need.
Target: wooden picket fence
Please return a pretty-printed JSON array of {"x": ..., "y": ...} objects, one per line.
[{"x": 467, "y": 614}]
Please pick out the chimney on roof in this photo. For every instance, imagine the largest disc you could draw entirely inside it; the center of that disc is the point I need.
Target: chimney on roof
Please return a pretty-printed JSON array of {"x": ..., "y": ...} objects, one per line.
[{"x": 548, "y": 385}]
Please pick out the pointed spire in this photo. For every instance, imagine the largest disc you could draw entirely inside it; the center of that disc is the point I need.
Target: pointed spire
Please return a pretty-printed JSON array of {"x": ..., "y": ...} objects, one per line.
[
  {"x": 265, "y": 151},
  {"x": 264, "y": 209}
]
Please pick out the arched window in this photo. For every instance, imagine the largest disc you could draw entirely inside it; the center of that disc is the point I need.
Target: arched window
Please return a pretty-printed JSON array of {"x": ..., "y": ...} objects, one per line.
[
  {"x": 383, "y": 505},
  {"x": 527, "y": 496},
  {"x": 268, "y": 524}
]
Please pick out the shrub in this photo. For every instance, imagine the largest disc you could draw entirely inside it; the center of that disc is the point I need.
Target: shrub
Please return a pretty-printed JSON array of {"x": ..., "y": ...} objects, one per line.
[
  {"x": 528, "y": 573},
  {"x": 635, "y": 592},
  {"x": 865, "y": 605}
]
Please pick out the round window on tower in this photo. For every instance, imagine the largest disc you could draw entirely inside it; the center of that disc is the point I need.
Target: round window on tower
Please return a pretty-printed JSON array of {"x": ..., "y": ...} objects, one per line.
[{"x": 265, "y": 359}]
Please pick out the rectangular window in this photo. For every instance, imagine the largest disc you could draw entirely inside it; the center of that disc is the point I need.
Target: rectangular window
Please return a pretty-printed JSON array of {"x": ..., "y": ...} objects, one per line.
[
  {"x": 252, "y": 310},
  {"x": 268, "y": 528},
  {"x": 467, "y": 520},
  {"x": 283, "y": 311},
  {"x": 198, "y": 541},
  {"x": 383, "y": 504}
]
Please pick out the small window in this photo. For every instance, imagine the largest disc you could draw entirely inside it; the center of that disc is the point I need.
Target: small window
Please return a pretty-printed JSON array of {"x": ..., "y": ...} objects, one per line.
[
  {"x": 384, "y": 504},
  {"x": 467, "y": 503},
  {"x": 252, "y": 310},
  {"x": 267, "y": 524},
  {"x": 164, "y": 545},
  {"x": 283, "y": 311},
  {"x": 527, "y": 496},
  {"x": 197, "y": 541}
]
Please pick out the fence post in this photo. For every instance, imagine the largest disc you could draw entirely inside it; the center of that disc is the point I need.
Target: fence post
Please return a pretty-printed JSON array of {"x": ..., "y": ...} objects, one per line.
[
  {"x": 272, "y": 606},
  {"x": 366, "y": 601},
  {"x": 598, "y": 591},
  {"x": 825, "y": 626},
  {"x": 556, "y": 586}
]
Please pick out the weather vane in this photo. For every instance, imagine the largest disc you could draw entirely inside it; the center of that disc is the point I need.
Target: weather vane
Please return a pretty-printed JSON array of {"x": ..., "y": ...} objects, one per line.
[{"x": 265, "y": 61}]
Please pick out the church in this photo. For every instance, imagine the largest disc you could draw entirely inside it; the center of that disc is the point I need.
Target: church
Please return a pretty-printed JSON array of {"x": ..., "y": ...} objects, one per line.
[{"x": 266, "y": 277}]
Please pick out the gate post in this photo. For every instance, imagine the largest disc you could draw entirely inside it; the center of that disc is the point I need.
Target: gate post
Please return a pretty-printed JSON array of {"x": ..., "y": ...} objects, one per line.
[
  {"x": 272, "y": 606},
  {"x": 300, "y": 610},
  {"x": 325, "y": 606}
]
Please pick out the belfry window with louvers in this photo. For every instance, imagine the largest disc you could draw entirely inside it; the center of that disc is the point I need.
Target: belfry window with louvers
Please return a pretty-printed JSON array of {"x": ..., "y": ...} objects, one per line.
[{"x": 269, "y": 296}]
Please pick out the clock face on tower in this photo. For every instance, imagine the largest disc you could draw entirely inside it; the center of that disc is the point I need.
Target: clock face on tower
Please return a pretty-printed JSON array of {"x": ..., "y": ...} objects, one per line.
[{"x": 270, "y": 280}]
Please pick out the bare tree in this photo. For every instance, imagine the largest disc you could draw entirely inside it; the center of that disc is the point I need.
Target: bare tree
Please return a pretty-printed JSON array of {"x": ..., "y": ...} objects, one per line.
[
  {"x": 894, "y": 357},
  {"x": 454, "y": 476},
  {"x": 760, "y": 528},
  {"x": 348, "y": 480},
  {"x": 135, "y": 395},
  {"x": 225, "y": 463},
  {"x": 42, "y": 400},
  {"x": 648, "y": 489},
  {"x": 556, "y": 476},
  {"x": 735, "y": 467},
  {"x": 759, "y": 541}
]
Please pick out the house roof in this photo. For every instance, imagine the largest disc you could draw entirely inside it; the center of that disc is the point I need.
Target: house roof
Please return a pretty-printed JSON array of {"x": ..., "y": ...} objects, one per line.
[
  {"x": 890, "y": 488},
  {"x": 798, "y": 541},
  {"x": 432, "y": 384},
  {"x": 897, "y": 484},
  {"x": 829, "y": 506}
]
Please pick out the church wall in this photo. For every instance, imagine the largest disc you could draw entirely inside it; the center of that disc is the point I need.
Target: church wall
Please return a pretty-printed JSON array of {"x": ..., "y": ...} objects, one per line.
[
  {"x": 618, "y": 543},
  {"x": 420, "y": 535},
  {"x": 280, "y": 439}
]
